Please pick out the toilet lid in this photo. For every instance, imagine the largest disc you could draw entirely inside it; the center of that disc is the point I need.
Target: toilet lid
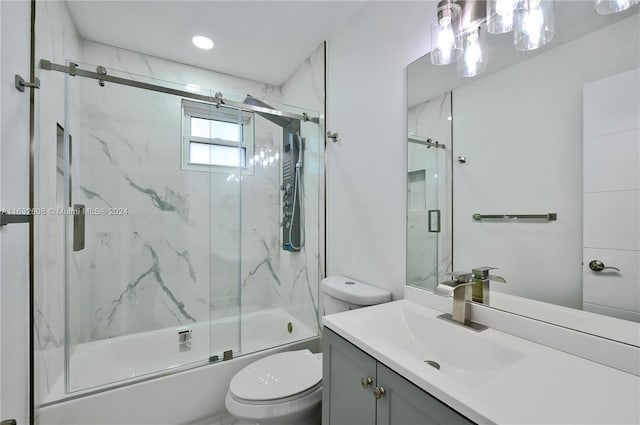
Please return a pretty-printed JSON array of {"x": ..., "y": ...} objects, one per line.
[{"x": 277, "y": 376}]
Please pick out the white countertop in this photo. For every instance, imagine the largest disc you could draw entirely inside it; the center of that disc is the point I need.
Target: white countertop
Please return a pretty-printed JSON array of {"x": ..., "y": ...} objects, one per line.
[{"x": 541, "y": 386}]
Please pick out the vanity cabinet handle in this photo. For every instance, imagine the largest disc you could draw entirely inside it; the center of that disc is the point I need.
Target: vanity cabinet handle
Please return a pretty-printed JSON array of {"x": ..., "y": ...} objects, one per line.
[
  {"x": 365, "y": 382},
  {"x": 378, "y": 392}
]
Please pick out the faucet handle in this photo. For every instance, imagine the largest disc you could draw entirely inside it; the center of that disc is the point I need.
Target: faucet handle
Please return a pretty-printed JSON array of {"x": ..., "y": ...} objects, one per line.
[
  {"x": 482, "y": 272},
  {"x": 460, "y": 277}
]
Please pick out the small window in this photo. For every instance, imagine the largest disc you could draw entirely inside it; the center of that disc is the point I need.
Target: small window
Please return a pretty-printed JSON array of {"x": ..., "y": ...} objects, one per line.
[{"x": 215, "y": 138}]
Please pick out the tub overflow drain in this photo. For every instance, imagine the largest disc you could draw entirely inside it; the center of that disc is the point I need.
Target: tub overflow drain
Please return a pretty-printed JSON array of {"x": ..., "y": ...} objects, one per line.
[{"x": 433, "y": 364}]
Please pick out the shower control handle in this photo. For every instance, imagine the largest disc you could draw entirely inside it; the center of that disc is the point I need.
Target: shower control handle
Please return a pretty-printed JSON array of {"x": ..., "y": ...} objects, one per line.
[
  {"x": 365, "y": 382},
  {"x": 378, "y": 392}
]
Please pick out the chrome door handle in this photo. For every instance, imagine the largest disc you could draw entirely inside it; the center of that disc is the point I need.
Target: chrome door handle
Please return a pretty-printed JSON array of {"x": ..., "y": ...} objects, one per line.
[
  {"x": 365, "y": 382},
  {"x": 378, "y": 392},
  {"x": 598, "y": 266}
]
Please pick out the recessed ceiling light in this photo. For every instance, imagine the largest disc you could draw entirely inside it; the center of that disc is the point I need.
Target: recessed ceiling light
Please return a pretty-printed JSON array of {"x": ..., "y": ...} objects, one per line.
[
  {"x": 202, "y": 42},
  {"x": 192, "y": 87}
]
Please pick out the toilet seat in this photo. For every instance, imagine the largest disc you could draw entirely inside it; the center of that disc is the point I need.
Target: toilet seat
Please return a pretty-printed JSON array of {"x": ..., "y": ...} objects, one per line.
[
  {"x": 293, "y": 397},
  {"x": 278, "y": 378}
]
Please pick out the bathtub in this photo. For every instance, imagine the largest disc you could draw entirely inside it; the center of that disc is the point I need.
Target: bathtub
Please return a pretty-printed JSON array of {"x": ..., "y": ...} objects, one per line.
[{"x": 157, "y": 382}]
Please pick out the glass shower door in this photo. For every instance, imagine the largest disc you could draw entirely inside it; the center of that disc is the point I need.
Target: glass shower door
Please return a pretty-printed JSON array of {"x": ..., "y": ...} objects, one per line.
[
  {"x": 424, "y": 217},
  {"x": 140, "y": 232},
  {"x": 429, "y": 188}
]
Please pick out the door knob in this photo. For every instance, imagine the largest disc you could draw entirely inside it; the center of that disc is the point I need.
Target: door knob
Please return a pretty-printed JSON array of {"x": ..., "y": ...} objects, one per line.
[
  {"x": 378, "y": 392},
  {"x": 365, "y": 382},
  {"x": 598, "y": 266}
]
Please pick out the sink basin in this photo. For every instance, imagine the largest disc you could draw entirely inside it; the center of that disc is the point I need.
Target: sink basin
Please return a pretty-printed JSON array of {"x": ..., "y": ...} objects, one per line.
[
  {"x": 458, "y": 351},
  {"x": 428, "y": 341}
]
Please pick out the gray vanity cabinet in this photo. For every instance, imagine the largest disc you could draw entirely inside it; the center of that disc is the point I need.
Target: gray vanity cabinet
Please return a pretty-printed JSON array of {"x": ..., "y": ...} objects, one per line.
[{"x": 348, "y": 398}]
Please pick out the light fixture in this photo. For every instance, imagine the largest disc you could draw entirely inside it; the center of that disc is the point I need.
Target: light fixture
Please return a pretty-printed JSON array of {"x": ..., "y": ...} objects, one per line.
[
  {"x": 606, "y": 7},
  {"x": 500, "y": 15},
  {"x": 534, "y": 24},
  {"x": 202, "y": 42},
  {"x": 474, "y": 53},
  {"x": 457, "y": 32},
  {"x": 445, "y": 26}
]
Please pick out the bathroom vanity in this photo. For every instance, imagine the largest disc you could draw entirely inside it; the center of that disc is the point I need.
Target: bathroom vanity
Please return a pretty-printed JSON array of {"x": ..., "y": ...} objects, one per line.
[
  {"x": 400, "y": 362},
  {"x": 358, "y": 389}
]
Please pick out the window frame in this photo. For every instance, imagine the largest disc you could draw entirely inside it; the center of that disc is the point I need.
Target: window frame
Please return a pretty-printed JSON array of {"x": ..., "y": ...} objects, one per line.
[{"x": 203, "y": 110}]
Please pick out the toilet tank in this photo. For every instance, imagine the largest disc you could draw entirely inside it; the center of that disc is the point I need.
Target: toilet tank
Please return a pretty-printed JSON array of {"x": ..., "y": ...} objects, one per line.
[{"x": 340, "y": 293}]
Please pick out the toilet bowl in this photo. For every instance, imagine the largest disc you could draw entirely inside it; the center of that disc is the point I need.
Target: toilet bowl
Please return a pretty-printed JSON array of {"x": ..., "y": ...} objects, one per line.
[
  {"x": 281, "y": 389},
  {"x": 286, "y": 388}
]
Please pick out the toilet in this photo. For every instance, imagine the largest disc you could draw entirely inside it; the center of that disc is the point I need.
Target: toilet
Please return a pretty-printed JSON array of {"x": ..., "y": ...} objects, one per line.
[{"x": 286, "y": 388}]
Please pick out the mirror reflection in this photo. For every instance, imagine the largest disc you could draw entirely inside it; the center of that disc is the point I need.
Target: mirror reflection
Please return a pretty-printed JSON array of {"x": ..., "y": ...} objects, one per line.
[{"x": 538, "y": 174}]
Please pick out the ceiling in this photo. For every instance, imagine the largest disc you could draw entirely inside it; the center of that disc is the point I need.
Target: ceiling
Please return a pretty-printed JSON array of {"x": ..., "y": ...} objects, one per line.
[
  {"x": 573, "y": 19},
  {"x": 264, "y": 41}
]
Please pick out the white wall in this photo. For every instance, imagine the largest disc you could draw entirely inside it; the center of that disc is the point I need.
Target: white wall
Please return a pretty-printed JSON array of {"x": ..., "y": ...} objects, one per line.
[
  {"x": 14, "y": 159},
  {"x": 366, "y": 169},
  {"x": 525, "y": 156}
]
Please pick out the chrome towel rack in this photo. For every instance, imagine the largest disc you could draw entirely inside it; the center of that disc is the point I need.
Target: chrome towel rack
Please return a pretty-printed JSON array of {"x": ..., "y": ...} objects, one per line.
[{"x": 511, "y": 217}]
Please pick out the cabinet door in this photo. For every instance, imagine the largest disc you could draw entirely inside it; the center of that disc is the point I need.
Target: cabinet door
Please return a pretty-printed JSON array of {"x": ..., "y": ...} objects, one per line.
[
  {"x": 344, "y": 400},
  {"x": 405, "y": 404}
]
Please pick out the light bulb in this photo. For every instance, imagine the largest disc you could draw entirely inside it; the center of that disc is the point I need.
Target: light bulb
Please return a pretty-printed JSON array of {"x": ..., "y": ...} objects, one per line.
[
  {"x": 500, "y": 15},
  {"x": 474, "y": 60},
  {"x": 606, "y": 7},
  {"x": 621, "y": 4},
  {"x": 505, "y": 7},
  {"x": 446, "y": 40},
  {"x": 472, "y": 54},
  {"x": 532, "y": 24},
  {"x": 445, "y": 29},
  {"x": 535, "y": 24}
]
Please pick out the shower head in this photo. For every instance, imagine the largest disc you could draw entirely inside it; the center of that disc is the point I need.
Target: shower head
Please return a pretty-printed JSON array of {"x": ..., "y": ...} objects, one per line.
[{"x": 277, "y": 120}]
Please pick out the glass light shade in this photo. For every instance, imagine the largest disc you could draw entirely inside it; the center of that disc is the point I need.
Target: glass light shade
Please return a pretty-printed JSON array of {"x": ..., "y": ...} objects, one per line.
[
  {"x": 534, "y": 24},
  {"x": 445, "y": 30},
  {"x": 500, "y": 15},
  {"x": 474, "y": 53},
  {"x": 606, "y": 7}
]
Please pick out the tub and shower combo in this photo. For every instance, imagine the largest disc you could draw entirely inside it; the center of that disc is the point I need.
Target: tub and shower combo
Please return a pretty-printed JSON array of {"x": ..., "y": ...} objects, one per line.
[{"x": 188, "y": 243}]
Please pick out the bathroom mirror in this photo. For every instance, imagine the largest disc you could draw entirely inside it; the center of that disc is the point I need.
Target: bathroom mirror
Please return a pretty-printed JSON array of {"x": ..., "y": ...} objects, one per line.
[{"x": 533, "y": 168}]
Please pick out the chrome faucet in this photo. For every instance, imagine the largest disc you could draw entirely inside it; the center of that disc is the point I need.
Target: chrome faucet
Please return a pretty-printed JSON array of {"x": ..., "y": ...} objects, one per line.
[
  {"x": 460, "y": 289},
  {"x": 480, "y": 283}
]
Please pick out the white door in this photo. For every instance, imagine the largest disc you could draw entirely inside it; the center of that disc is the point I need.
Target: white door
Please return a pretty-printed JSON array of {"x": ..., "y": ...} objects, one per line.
[{"x": 611, "y": 170}]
